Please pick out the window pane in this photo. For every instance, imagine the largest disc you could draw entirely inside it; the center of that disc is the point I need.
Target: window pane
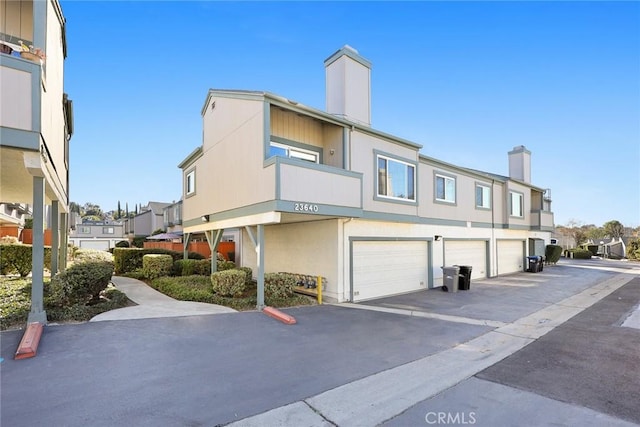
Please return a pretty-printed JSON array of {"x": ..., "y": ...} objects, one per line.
[
  {"x": 479, "y": 196},
  {"x": 382, "y": 177},
  {"x": 451, "y": 190},
  {"x": 397, "y": 179},
  {"x": 439, "y": 188},
  {"x": 411, "y": 183},
  {"x": 310, "y": 157}
]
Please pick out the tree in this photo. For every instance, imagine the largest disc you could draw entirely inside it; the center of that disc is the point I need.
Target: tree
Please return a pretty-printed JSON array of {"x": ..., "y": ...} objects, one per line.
[
  {"x": 91, "y": 209},
  {"x": 577, "y": 231},
  {"x": 126, "y": 209},
  {"x": 614, "y": 229},
  {"x": 595, "y": 233},
  {"x": 118, "y": 214}
]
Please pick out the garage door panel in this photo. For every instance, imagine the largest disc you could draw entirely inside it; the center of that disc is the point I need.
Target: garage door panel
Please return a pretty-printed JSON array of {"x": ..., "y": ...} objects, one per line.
[
  {"x": 102, "y": 245},
  {"x": 510, "y": 256},
  {"x": 382, "y": 268},
  {"x": 467, "y": 252}
]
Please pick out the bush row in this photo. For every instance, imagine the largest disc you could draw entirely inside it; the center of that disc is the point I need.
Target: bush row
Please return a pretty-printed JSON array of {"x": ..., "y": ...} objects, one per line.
[
  {"x": 130, "y": 259},
  {"x": 17, "y": 258}
]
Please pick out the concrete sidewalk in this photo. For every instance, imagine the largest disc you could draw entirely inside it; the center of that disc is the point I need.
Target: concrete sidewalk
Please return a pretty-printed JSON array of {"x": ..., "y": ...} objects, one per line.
[{"x": 154, "y": 304}]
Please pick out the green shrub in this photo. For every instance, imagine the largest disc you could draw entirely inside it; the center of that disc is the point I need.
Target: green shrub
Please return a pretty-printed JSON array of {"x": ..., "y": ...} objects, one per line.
[
  {"x": 187, "y": 288},
  {"x": 579, "y": 253},
  {"x": 189, "y": 267},
  {"x": 138, "y": 241},
  {"x": 16, "y": 259},
  {"x": 83, "y": 255},
  {"x": 81, "y": 283},
  {"x": 202, "y": 267},
  {"x": 155, "y": 265},
  {"x": 228, "y": 282},
  {"x": 225, "y": 265},
  {"x": 633, "y": 249},
  {"x": 122, "y": 244},
  {"x": 552, "y": 254},
  {"x": 248, "y": 272},
  {"x": 130, "y": 259},
  {"x": 279, "y": 285},
  {"x": 183, "y": 267},
  {"x": 195, "y": 255}
]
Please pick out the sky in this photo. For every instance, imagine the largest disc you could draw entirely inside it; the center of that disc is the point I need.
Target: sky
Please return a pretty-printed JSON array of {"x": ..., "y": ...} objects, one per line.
[{"x": 469, "y": 81}]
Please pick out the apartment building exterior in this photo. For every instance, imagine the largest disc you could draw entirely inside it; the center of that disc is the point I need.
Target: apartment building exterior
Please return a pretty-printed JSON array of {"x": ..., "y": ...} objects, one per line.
[
  {"x": 101, "y": 235},
  {"x": 36, "y": 125},
  {"x": 324, "y": 193}
]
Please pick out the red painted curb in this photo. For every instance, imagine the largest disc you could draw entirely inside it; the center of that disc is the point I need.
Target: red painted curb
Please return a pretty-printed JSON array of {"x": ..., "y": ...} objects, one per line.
[
  {"x": 30, "y": 340},
  {"x": 278, "y": 315}
]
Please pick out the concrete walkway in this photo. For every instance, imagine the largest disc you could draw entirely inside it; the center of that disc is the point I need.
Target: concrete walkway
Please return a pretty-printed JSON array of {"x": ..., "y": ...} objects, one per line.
[{"x": 154, "y": 304}]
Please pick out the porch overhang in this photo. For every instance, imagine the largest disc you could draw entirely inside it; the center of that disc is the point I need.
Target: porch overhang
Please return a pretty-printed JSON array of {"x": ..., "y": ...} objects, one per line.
[{"x": 264, "y": 218}]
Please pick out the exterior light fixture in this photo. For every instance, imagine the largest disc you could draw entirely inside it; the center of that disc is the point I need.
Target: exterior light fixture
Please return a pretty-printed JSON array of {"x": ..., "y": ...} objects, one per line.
[
  {"x": 437, "y": 237},
  {"x": 205, "y": 218}
]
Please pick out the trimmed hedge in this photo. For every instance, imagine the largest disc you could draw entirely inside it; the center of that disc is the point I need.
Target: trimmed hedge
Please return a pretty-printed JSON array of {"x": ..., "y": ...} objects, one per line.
[
  {"x": 18, "y": 259},
  {"x": 279, "y": 285},
  {"x": 552, "y": 254},
  {"x": 188, "y": 267},
  {"x": 248, "y": 272},
  {"x": 130, "y": 259},
  {"x": 229, "y": 282},
  {"x": 156, "y": 265},
  {"x": 122, "y": 244},
  {"x": 578, "y": 253},
  {"x": 84, "y": 255},
  {"x": 225, "y": 265},
  {"x": 81, "y": 283}
]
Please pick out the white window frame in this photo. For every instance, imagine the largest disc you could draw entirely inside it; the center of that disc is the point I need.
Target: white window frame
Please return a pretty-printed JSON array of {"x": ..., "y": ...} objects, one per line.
[
  {"x": 516, "y": 200},
  {"x": 84, "y": 229},
  {"x": 297, "y": 153},
  {"x": 448, "y": 198},
  {"x": 109, "y": 230},
  {"x": 410, "y": 187},
  {"x": 190, "y": 183},
  {"x": 485, "y": 195}
]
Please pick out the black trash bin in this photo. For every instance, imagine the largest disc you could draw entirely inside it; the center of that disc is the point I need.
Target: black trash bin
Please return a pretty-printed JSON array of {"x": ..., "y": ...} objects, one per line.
[
  {"x": 464, "y": 282},
  {"x": 533, "y": 264}
]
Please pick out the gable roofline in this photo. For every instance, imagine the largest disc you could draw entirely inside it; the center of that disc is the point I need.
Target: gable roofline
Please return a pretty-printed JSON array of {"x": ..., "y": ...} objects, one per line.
[
  {"x": 288, "y": 104},
  {"x": 193, "y": 156}
]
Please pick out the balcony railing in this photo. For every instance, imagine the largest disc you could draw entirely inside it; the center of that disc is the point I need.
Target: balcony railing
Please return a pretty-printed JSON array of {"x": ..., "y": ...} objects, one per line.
[
  {"x": 305, "y": 187},
  {"x": 542, "y": 220}
]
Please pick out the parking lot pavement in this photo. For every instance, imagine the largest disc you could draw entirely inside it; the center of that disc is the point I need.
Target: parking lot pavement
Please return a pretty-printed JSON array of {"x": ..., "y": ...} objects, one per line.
[
  {"x": 584, "y": 372},
  {"x": 505, "y": 298},
  {"x": 206, "y": 370},
  {"x": 339, "y": 365}
]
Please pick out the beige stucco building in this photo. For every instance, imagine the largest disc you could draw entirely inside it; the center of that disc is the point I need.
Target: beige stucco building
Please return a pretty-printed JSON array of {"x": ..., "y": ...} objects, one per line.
[
  {"x": 324, "y": 193},
  {"x": 36, "y": 124}
]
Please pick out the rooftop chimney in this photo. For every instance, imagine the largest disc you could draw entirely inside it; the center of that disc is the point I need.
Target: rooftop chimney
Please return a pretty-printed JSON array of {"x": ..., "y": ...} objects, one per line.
[
  {"x": 348, "y": 85},
  {"x": 520, "y": 164}
]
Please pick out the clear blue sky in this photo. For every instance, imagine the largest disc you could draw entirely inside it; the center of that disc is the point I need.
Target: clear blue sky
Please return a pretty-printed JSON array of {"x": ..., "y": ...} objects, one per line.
[{"x": 468, "y": 81}]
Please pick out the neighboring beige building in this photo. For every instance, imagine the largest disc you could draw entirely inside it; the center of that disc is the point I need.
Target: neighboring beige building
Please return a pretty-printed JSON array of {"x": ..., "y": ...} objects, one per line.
[
  {"x": 101, "y": 235},
  {"x": 323, "y": 193},
  {"x": 35, "y": 126}
]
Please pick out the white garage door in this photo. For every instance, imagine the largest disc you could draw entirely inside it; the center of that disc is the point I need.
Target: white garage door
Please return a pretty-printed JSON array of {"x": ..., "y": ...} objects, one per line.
[
  {"x": 510, "y": 256},
  {"x": 102, "y": 245},
  {"x": 467, "y": 252},
  {"x": 382, "y": 268}
]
